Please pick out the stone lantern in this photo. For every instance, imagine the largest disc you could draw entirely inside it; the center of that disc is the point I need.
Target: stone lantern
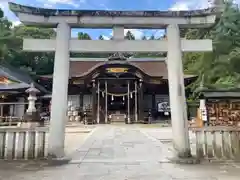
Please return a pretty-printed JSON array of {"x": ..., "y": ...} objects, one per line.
[
  {"x": 32, "y": 117},
  {"x": 32, "y": 91}
]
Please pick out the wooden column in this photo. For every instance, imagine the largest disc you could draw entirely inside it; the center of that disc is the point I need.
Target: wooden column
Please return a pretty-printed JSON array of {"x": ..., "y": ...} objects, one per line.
[
  {"x": 98, "y": 102},
  {"x": 128, "y": 103},
  {"x": 140, "y": 101},
  {"x": 106, "y": 102},
  {"x": 136, "y": 102},
  {"x": 154, "y": 101},
  {"x": 94, "y": 101},
  {"x": 81, "y": 100}
]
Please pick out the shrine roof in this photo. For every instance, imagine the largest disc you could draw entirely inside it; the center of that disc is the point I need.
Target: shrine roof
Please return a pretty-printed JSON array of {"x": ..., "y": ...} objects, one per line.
[
  {"x": 151, "y": 68},
  {"x": 15, "y": 79},
  {"x": 222, "y": 93}
]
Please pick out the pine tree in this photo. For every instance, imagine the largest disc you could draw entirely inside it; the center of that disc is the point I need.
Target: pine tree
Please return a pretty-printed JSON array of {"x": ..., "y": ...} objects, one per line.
[{"x": 129, "y": 36}]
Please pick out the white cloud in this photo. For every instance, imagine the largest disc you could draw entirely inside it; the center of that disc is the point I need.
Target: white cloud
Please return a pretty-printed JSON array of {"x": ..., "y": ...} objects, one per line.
[
  {"x": 51, "y": 3},
  {"x": 179, "y": 7},
  {"x": 105, "y": 37},
  {"x": 191, "y": 4},
  {"x": 46, "y": 5}
]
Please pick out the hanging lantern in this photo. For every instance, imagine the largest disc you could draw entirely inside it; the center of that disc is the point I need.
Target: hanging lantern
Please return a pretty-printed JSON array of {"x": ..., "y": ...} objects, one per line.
[
  {"x": 123, "y": 98},
  {"x": 112, "y": 98},
  {"x": 131, "y": 95},
  {"x": 102, "y": 94}
]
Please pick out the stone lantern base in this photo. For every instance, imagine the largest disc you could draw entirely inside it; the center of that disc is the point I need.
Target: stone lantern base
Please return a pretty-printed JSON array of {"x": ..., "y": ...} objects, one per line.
[{"x": 31, "y": 120}]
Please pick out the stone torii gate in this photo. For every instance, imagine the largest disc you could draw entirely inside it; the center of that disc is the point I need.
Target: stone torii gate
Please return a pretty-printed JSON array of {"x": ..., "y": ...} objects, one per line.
[{"x": 63, "y": 20}]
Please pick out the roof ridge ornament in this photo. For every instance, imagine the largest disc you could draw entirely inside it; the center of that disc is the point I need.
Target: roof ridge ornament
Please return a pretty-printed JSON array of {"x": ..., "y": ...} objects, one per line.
[{"x": 117, "y": 57}]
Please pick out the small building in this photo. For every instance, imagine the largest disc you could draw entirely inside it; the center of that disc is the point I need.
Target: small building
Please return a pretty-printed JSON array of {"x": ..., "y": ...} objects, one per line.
[
  {"x": 223, "y": 106},
  {"x": 13, "y": 83}
]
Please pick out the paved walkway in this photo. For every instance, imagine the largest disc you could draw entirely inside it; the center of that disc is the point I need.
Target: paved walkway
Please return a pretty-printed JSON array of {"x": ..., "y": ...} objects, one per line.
[{"x": 123, "y": 153}]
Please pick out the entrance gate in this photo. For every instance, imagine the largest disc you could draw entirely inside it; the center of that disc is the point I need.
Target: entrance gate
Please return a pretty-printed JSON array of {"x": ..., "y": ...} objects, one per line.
[{"x": 63, "y": 20}]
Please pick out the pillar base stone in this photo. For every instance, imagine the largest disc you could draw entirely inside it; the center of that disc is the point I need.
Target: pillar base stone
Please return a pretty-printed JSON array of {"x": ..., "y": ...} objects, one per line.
[
  {"x": 57, "y": 161},
  {"x": 57, "y": 157},
  {"x": 54, "y": 153},
  {"x": 184, "y": 158}
]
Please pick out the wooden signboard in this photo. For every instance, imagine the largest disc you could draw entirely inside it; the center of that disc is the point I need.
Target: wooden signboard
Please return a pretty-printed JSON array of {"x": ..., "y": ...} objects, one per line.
[
  {"x": 78, "y": 81},
  {"x": 117, "y": 70}
]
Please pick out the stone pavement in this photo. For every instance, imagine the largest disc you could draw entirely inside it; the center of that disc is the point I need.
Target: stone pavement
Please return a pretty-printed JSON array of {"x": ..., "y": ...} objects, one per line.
[{"x": 123, "y": 153}]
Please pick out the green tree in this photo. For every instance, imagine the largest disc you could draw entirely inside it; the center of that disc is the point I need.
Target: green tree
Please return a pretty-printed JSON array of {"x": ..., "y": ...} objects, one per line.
[
  {"x": 220, "y": 67},
  {"x": 152, "y": 37},
  {"x": 100, "y": 37},
  {"x": 144, "y": 38},
  {"x": 129, "y": 36},
  {"x": 84, "y": 36},
  {"x": 1, "y": 13},
  {"x": 11, "y": 41}
]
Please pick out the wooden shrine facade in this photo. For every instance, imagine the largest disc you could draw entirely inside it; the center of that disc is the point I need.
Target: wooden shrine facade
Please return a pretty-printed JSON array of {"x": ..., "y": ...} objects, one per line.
[{"x": 126, "y": 88}]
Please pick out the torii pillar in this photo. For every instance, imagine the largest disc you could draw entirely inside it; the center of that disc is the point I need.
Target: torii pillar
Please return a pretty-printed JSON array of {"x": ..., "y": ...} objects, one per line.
[
  {"x": 59, "y": 92},
  {"x": 177, "y": 93}
]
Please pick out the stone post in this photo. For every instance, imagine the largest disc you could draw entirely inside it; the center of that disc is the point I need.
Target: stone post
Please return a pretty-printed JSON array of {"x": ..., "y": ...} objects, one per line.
[
  {"x": 177, "y": 93},
  {"x": 59, "y": 92},
  {"x": 118, "y": 32}
]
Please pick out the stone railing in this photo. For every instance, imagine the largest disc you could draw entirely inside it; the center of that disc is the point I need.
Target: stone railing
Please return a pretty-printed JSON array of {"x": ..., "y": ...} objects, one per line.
[
  {"x": 23, "y": 143},
  {"x": 217, "y": 143}
]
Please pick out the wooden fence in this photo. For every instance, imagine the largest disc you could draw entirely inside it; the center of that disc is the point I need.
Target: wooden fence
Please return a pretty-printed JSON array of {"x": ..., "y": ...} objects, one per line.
[
  {"x": 23, "y": 143},
  {"x": 217, "y": 143}
]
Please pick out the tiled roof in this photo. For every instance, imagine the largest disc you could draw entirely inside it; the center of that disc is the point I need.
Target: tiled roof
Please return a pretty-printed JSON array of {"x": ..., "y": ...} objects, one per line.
[
  {"x": 21, "y": 78},
  {"x": 151, "y": 68}
]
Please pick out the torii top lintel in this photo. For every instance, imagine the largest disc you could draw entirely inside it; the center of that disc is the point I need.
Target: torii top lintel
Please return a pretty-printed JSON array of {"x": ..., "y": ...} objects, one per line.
[{"x": 107, "y": 19}]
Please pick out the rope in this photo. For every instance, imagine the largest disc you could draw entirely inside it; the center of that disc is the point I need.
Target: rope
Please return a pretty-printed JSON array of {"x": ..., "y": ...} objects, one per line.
[{"x": 119, "y": 94}]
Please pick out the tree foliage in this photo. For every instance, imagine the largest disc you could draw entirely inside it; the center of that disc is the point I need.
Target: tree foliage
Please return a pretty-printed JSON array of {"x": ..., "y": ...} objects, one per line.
[
  {"x": 1, "y": 13},
  {"x": 219, "y": 68},
  {"x": 11, "y": 41}
]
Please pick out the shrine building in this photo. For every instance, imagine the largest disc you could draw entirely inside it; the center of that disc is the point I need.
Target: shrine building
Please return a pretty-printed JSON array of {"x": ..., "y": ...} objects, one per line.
[{"x": 117, "y": 86}]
